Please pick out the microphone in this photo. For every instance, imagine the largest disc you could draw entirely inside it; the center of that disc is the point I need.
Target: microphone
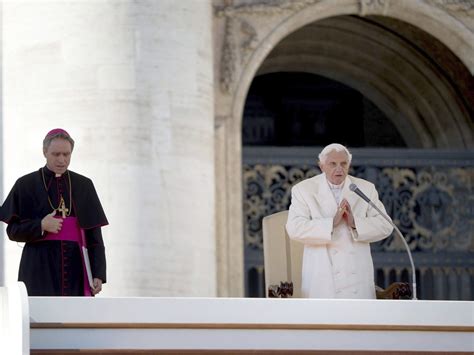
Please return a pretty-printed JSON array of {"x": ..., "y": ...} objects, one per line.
[{"x": 355, "y": 189}]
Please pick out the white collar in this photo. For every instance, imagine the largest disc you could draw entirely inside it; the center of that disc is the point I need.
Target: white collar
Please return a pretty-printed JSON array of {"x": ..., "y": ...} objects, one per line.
[{"x": 335, "y": 187}]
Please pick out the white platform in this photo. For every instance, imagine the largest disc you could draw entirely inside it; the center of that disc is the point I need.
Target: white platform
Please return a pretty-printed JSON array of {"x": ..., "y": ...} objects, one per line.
[{"x": 242, "y": 324}]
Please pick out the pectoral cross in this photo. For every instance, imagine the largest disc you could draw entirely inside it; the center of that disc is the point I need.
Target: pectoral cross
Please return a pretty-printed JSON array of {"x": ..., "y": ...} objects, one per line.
[{"x": 62, "y": 208}]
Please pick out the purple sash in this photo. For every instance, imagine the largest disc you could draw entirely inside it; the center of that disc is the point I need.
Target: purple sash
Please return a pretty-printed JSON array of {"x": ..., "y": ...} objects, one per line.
[{"x": 70, "y": 231}]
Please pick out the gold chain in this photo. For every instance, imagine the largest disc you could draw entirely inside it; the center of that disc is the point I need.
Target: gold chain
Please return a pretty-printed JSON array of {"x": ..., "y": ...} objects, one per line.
[{"x": 70, "y": 193}]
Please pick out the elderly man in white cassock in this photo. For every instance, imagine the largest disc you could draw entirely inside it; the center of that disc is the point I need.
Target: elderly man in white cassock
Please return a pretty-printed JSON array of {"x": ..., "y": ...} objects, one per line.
[{"x": 336, "y": 227}]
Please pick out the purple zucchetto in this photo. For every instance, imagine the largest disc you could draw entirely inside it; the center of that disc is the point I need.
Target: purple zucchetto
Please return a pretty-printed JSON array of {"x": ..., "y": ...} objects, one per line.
[{"x": 56, "y": 131}]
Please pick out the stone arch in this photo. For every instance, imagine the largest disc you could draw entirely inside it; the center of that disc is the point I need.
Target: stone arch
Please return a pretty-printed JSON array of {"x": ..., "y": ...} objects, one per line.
[
  {"x": 250, "y": 31},
  {"x": 413, "y": 92},
  {"x": 419, "y": 13}
]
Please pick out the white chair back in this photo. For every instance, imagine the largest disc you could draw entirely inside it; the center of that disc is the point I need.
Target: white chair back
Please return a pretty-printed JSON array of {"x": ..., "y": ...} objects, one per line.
[{"x": 283, "y": 256}]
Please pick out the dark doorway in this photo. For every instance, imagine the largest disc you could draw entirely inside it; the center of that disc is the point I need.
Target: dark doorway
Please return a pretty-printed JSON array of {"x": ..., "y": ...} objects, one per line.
[{"x": 301, "y": 109}]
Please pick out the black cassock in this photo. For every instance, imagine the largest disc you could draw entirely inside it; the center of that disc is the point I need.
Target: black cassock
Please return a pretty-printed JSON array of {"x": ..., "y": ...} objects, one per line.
[{"x": 54, "y": 267}]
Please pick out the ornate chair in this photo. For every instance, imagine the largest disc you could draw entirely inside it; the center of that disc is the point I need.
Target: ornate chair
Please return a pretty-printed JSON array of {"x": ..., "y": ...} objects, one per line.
[{"x": 283, "y": 262}]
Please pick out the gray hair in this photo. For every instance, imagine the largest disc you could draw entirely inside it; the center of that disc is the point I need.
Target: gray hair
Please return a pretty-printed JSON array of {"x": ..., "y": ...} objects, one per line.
[
  {"x": 62, "y": 135},
  {"x": 334, "y": 147}
]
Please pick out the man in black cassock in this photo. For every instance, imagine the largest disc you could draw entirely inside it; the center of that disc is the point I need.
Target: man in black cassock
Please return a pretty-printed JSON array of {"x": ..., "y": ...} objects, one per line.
[{"x": 56, "y": 212}]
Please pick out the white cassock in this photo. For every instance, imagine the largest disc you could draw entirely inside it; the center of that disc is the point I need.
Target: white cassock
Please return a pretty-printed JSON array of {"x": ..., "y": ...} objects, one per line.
[{"x": 336, "y": 262}]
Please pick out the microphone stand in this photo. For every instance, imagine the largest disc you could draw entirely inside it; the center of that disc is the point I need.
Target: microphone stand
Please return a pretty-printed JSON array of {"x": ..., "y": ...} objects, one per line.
[{"x": 413, "y": 274}]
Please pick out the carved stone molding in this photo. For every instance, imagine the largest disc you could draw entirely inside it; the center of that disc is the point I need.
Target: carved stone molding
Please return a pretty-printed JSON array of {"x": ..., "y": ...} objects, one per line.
[
  {"x": 371, "y": 7},
  {"x": 263, "y": 7},
  {"x": 220, "y": 121},
  {"x": 228, "y": 60},
  {"x": 249, "y": 38},
  {"x": 241, "y": 37},
  {"x": 453, "y": 5},
  {"x": 242, "y": 32},
  {"x": 462, "y": 10}
]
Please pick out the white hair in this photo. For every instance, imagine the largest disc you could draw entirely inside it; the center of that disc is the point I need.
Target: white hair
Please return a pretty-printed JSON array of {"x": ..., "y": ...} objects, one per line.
[{"x": 334, "y": 147}]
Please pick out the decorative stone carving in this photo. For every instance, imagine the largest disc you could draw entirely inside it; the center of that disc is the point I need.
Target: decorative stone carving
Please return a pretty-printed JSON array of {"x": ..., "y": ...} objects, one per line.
[
  {"x": 249, "y": 41},
  {"x": 228, "y": 60},
  {"x": 462, "y": 10},
  {"x": 263, "y": 7},
  {"x": 453, "y": 5},
  {"x": 241, "y": 37},
  {"x": 370, "y": 7}
]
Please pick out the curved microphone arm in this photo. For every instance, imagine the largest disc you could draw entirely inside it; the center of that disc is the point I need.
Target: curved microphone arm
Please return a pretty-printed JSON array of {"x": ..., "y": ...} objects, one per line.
[{"x": 413, "y": 272}]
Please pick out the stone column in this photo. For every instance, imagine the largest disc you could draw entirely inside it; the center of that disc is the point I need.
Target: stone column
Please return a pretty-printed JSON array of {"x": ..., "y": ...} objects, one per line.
[{"x": 133, "y": 83}]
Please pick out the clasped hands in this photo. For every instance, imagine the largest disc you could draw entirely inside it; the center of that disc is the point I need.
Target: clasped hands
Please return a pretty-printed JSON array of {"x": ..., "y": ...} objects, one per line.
[{"x": 344, "y": 213}]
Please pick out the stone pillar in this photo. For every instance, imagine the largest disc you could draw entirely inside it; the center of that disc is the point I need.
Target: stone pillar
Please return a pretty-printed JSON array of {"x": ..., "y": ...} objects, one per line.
[{"x": 133, "y": 83}]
